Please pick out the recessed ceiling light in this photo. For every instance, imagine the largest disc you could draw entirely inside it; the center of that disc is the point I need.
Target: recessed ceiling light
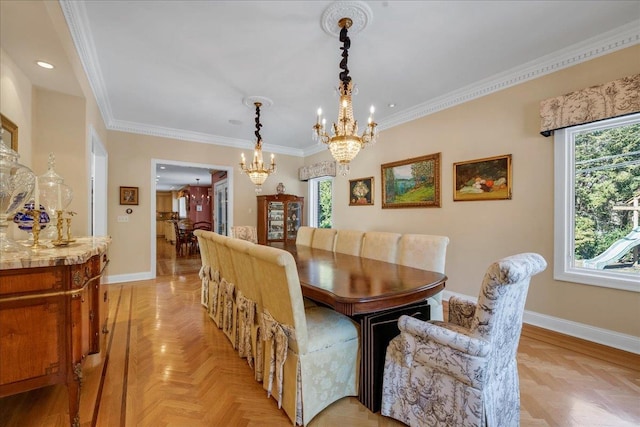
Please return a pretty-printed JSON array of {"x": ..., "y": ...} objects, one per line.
[
  {"x": 157, "y": 176},
  {"x": 45, "y": 64},
  {"x": 162, "y": 167},
  {"x": 392, "y": 105}
]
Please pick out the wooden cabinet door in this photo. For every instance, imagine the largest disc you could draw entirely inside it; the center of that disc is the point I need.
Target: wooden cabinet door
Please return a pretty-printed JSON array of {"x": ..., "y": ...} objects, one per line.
[{"x": 32, "y": 342}]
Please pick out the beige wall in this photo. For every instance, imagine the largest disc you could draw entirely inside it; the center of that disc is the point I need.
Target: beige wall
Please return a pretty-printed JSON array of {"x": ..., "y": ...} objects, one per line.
[
  {"x": 15, "y": 103},
  {"x": 130, "y": 157},
  {"x": 506, "y": 122}
]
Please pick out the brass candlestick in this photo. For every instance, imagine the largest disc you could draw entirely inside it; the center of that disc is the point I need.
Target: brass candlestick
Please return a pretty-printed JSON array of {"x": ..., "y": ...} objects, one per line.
[
  {"x": 59, "y": 219},
  {"x": 35, "y": 229},
  {"x": 68, "y": 220}
]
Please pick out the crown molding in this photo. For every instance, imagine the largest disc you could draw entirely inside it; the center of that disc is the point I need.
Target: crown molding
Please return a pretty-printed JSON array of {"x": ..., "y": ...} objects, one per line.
[
  {"x": 609, "y": 42},
  {"x": 192, "y": 136},
  {"x": 76, "y": 16}
]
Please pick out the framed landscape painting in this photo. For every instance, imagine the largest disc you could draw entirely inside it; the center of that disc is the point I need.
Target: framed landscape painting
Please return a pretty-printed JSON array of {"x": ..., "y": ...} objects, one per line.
[
  {"x": 361, "y": 191},
  {"x": 482, "y": 179},
  {"x": 412, "y": 183}
]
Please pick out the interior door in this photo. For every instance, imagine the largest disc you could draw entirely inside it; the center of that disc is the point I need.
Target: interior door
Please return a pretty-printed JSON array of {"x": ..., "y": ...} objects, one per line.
[{"x": 220, "y": 194}]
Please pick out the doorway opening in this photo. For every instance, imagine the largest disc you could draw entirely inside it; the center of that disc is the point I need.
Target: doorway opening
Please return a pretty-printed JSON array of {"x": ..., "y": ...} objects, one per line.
[
  {"x": 98, "y": 186},
  {"x": 170, "y": 177}
]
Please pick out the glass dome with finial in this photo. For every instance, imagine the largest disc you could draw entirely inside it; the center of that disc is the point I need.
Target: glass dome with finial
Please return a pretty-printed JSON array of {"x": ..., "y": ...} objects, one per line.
[
  {"x": 55, "y": 195},
  {"x": 16, "y": 186}
]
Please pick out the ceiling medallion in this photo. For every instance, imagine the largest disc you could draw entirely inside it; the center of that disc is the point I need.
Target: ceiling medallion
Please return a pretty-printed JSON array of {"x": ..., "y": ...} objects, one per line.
[{"x": 358, "y": 12}]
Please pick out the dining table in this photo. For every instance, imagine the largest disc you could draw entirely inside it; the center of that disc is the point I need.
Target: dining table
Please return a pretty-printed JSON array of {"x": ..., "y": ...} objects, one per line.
[{"x": 373, "y": 293}]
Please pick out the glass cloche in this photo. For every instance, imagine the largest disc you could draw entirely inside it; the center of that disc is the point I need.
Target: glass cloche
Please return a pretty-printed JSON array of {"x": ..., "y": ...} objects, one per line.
[
  {"x": 54, "y": 194},
  {"x": 16, "y": 187}
]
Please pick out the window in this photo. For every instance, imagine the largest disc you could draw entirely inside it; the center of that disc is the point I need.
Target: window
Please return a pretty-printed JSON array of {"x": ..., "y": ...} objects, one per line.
[
  {"x": 597, "y": 187},
  {"x": 320, "y": 202}
]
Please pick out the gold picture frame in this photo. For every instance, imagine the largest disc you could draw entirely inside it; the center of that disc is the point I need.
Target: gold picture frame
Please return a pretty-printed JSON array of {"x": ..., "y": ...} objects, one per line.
[
  {"x": 483, "y": 179},
  {"x": 10, "y": 135},
  {"x": 412, "y": 183},
  {"x": 128, "y": 195},
  {"x": 361, "y": 191}
]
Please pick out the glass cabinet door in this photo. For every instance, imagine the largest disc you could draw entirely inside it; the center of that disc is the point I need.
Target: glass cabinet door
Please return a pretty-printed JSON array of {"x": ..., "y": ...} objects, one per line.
[
  {"x": 294, "y": 219},
  {"x": 275, "y": 221}
]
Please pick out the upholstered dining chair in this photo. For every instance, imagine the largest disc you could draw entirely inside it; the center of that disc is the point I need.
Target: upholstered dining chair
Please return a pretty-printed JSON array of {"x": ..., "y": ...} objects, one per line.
[
  {"x": 245, "y": 232},
  {"x": 463, "y": 372},
  {"x": 311, "y": 354},
  {"x": 323, "y": 238},
  {"x": 227, "y": 289},
  {"x": 380, "y": 245},
  {"x": 349, "y": 242},
  {"x": 205, "y": 269},
  {"x": 427, "y": 252},
  {"x": 304, "y": 236},
  {"x": 249, "y": 306},
  {"x": 215, "y": 290}
]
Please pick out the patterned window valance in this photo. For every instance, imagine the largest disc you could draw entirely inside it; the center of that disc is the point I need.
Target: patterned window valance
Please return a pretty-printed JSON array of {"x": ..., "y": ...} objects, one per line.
[
  {"x": 316, "y": 170},
  {"x": 613, "y": 99}
]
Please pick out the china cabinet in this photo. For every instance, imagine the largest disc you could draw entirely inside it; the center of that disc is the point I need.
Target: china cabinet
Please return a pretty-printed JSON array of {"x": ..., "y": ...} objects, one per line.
[{"x": 279, "y": 217}]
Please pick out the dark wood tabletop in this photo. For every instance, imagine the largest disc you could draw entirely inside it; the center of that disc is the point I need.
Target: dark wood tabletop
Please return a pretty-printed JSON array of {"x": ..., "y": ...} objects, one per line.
[{"x": 355, "y": 285}]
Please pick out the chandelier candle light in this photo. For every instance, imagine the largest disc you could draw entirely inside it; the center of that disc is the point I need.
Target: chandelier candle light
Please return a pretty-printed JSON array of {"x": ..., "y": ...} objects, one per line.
[
  {"x": 345, "y": 144},
  {"x": 256, "y": 170}
]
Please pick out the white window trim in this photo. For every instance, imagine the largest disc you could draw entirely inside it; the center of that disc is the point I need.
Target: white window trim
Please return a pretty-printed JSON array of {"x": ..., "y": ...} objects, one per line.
[
  {"x": 312, "y": 207},
  {"x": 565, "y": 213}
]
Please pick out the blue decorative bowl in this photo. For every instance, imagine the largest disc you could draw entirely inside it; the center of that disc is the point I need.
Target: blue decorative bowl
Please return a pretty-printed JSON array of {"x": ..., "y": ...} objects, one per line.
[{"x": 25, "y": 222}]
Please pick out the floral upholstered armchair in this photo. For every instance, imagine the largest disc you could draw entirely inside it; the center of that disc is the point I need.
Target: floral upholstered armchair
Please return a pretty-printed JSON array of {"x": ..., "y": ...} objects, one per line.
[
  {"x": 463, "y": 372},
  {"x": 245, "y": 232}
]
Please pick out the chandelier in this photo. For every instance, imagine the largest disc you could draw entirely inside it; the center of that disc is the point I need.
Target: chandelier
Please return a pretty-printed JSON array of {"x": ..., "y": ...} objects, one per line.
[
  {"x": 256, "y": 170},
  {"x": 345, "y": 144}
]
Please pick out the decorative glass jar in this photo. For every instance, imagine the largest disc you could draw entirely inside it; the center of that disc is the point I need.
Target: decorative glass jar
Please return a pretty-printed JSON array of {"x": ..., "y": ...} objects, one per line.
[{"x": 16, "y": 187}]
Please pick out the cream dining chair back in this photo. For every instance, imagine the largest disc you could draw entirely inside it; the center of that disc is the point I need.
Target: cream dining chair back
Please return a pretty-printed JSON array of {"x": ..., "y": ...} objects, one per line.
[
  {"x": 464, "y": 371},
  {"x": 304, "y": 236},
  {"x": 249, "y": 306},
  {"x": 380, "y": 245},
  {"x": 227, "y": 289},
  {"x": 205, "y": 269},
  {"x": 323, "y": 238},
  {"x": 311, "y": 354},
  {"x": 349, "y": 242},
  {"x": 427, "y": 252},
  {"x": 215, "y": 296}
]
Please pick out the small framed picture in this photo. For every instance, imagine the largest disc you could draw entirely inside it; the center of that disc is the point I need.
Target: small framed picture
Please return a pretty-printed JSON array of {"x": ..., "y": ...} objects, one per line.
[
  {"x": 361, "y": 191},
  {"x": 128, "y": 195},
  {"x": 482, "y": 179}
]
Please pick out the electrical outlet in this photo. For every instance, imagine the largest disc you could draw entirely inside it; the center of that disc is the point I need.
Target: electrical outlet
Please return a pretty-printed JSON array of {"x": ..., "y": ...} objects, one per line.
[{"x": 123, "y": 218}]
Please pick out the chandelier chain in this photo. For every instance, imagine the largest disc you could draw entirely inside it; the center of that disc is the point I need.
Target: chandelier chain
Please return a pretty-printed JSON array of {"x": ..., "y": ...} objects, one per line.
[
  {"x": 346, "y": 44},
  {"x": 258, "y": 125}
]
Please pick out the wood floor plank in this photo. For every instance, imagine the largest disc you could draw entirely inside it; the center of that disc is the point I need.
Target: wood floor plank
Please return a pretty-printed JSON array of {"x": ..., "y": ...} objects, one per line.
[{"x": 172, "y": 366}]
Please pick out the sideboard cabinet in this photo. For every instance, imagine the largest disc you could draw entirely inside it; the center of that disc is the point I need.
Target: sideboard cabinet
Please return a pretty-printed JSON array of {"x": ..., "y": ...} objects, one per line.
[
  {"x": 279, "y": 217},
  {"x": 53, "y": 313}
]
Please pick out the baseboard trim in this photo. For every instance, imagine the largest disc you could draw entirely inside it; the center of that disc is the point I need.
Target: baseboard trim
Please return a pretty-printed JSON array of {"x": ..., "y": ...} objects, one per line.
[
  {"x": 578, "y": 331},
  {"x": 133, "y": 277},
  {"x": 609, "y": 354}
]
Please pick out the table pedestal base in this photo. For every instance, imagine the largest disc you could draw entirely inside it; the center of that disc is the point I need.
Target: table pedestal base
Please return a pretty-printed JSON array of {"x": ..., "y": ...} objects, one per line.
[{"x": 376, "y": 330}]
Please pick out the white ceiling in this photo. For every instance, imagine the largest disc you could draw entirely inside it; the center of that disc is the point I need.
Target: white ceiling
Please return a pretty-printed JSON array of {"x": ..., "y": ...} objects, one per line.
[{"x": 181, "y": 69}]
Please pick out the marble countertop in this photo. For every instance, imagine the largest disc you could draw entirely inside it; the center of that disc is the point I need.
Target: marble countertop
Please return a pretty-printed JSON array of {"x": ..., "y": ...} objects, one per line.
[{"x": 77, "y": 252}]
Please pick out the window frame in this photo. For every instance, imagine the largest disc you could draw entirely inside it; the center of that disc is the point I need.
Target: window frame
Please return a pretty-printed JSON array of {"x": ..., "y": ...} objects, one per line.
[
  {"x": 564, "y": 212},
  {"x": 313, "y": 199}
]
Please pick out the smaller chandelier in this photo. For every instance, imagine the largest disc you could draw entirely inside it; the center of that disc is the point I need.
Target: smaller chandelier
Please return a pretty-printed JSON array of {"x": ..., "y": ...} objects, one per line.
[
  {"x": 345, "y": 144},
  {"x": 256, "y": 170}
]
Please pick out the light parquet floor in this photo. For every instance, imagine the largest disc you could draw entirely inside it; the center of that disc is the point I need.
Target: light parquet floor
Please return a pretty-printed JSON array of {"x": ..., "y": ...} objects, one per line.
[{"x": 165, "y": 363}]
